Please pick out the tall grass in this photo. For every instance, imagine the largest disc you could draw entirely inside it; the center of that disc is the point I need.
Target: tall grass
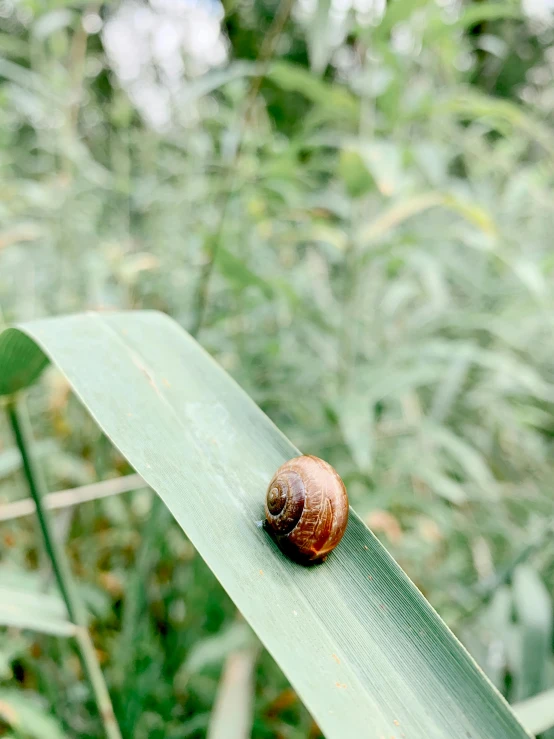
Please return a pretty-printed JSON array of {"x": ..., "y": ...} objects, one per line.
[{"x": 382, "y": 288}]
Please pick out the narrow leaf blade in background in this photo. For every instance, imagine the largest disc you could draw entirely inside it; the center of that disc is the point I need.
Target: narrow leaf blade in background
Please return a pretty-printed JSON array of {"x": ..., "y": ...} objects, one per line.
[
  {"x": 533, "y": 607},
  {"x": 23, "y": 606},
  {"x": 33, "y": 611},
  {"x": 537, "y": 713},
  {"x": 27, "y": 717},
  {"x": 232, "y": 714}
]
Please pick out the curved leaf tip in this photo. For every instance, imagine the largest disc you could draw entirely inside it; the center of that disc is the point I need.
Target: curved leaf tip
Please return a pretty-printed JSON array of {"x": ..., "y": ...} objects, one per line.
[{"x": 21, "y": 361}]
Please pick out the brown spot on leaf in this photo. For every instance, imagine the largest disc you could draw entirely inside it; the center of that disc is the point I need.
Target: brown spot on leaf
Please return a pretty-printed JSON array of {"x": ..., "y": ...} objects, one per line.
[
  {"x": 337, "y": 660},
  {"x": 148, "y": 376}
]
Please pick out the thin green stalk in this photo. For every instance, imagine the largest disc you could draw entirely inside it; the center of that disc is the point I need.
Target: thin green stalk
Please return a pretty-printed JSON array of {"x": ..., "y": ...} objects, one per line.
[
  {"x": 136, "y": 606},
  {"x": 348, "y": 335},
  {"x": 76, "y": 72},
  {"x": 265, "y": 56},
  {"x": 19, "y": 420}
]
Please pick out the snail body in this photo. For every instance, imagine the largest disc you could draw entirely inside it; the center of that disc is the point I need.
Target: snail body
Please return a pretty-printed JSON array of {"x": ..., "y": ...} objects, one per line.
[{"x": 306, "y": 508}]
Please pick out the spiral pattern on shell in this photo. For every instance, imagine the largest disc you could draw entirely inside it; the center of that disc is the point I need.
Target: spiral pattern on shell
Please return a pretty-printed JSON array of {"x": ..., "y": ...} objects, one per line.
[{"x": 306, "y": 508}]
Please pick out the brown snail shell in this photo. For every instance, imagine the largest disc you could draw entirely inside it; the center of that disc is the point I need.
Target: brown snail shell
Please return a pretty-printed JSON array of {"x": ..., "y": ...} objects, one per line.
[{"x": 306, "y": 508}]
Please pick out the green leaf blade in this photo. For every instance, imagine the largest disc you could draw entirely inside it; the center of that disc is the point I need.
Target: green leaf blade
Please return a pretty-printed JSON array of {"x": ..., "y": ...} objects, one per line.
[{"x": 357, "y": 640}]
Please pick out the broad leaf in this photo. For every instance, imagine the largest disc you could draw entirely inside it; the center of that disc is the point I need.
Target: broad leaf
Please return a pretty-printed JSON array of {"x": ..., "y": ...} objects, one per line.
[{"x": 360, "y": 644}]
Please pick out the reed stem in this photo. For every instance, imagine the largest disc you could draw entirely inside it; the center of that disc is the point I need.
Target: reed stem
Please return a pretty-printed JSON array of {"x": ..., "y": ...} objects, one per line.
[{"x": 21, "y": 426}]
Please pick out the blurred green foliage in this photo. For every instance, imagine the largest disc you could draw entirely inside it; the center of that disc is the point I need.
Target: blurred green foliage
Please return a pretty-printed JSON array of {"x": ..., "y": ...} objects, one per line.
[{"x": 382, "y": 289}]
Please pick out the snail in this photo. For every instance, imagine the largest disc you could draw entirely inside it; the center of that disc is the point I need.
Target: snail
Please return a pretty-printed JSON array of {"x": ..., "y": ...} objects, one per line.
[{"x": 306, "y": 509}]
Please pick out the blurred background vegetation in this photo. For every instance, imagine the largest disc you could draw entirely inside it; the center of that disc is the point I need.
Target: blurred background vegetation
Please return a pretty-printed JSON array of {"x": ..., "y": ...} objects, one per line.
[{"x": 350, "y": 204}]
